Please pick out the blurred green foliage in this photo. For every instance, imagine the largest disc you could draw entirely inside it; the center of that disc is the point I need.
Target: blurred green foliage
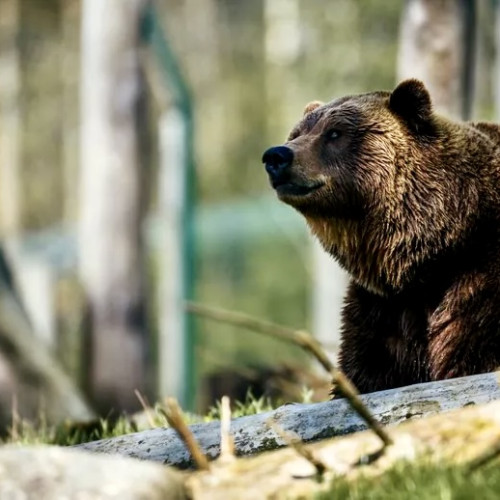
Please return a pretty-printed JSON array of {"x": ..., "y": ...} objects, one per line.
[
  {"x": 251, "y": 66},
  {"x": 246, "y": 99}
]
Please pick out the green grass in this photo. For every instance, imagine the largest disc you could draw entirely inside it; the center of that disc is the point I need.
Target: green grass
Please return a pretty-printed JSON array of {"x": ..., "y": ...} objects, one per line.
[
  {"x": 251, "y": 406},
  {"x": 406, "y": 481},
  {"x": 26, "y": 432}
]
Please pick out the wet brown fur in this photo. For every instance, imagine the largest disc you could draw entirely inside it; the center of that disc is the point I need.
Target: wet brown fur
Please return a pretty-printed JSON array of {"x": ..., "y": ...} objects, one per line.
[{"x": 410, "y": 207}]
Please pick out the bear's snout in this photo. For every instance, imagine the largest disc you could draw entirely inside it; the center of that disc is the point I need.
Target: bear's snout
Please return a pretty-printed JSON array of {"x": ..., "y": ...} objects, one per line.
[{"x": 278, "y": 160}]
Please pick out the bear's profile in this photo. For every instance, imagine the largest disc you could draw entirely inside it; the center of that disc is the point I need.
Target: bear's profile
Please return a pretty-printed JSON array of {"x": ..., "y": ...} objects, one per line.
[{"x": 408, "y": 202}]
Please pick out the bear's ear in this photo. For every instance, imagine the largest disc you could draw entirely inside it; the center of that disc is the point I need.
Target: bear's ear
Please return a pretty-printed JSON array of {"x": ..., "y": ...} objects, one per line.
[
  {"x": 412, "y": 102},
  {"x": 312, "y": 106}
]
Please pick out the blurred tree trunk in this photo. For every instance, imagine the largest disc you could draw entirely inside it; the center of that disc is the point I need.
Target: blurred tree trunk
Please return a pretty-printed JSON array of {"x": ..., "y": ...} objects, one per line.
[
  {"x": 110, "y": 240},
  {"x": 42, "y": 378},
  {"x": 9, "y": 116},
  {"x": 41, "y": 166},
  {"x": 436, "y": 46},
  {"x": 70, "y": 74}
]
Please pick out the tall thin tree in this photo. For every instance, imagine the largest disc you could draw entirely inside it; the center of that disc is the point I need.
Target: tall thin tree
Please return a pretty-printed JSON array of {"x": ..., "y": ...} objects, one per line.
[
  {"x": 437, "y": 46},
  {"x": 110, "y": 242}
]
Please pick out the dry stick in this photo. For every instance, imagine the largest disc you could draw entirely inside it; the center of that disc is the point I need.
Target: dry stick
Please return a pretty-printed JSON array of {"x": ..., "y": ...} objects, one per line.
[
  {"x": 146, "y": 408},
  {"x": 226, "y": 440},
  {"x": 175, "y": 419},
  {"x": 308, "y": 343},
  {"x": 298, "y": 445}
]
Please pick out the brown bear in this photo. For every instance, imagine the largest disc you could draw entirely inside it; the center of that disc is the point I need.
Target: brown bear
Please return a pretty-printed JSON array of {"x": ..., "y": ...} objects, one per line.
[{"x": 408, "y": 202}]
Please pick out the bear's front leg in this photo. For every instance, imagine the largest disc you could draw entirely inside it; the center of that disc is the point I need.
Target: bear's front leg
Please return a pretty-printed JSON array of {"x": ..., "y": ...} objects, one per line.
[
  {"x": 464, "y": 331},
  {"x": 383, "y": 341}
]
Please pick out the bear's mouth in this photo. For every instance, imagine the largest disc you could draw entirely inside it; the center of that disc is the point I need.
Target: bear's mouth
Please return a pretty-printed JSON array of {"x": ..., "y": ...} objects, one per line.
[{"x": 293, "y": 189}]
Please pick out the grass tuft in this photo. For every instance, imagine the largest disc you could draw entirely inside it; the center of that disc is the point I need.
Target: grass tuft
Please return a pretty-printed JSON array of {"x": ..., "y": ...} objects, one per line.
[{"x": 406, "y": 481}]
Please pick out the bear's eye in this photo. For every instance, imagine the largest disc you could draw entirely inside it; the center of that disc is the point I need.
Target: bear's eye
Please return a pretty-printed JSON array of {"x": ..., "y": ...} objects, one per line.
[{"x": 332, "y": 135}]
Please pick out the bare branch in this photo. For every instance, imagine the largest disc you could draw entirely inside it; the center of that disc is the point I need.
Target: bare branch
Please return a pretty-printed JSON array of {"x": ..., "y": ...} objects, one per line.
[
  {"x": 146, "y": 407},
  {"x": 300, "y": 338},
  {"x": 307, "y": 342}
]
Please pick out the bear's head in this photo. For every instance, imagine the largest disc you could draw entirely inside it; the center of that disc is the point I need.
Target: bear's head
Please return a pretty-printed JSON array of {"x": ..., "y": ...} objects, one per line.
[{"x": 380, "y": 180}]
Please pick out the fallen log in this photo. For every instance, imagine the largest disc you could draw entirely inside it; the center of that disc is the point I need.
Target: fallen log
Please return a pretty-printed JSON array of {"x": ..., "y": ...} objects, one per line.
[
  {"x": 455, "y": 439},
  {"x": 443, "y": 443},
  {"x": 310, "y": 422}
]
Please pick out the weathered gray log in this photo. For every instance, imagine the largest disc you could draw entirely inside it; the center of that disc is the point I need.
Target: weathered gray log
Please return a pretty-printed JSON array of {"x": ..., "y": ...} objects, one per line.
[{"x": 311, "y": 422}]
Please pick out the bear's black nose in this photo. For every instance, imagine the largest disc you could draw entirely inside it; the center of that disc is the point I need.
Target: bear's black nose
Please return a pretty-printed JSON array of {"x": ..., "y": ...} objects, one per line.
[{"x": 277, "y": 161}]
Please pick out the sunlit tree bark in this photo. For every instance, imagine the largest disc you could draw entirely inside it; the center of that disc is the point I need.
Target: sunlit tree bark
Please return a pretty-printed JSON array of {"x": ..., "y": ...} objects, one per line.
[{"x": 435, "y": 46}]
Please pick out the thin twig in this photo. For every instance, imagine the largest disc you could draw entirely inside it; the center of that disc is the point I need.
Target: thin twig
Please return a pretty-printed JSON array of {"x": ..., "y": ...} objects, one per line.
[
  {"x": 146, "y": 408},
  {"x": 174, "y": 417},
  {"x": 297, "y": 337},
  {"x": 308, "y": 343},
  {"x": 226, "y": 440},
  {"x": 298, "y": 445},
  {"x": 349, "y": 391}
]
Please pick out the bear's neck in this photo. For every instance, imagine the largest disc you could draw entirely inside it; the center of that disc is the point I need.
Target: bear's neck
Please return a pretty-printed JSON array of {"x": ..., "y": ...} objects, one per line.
[
  {"x": 360, "y": 253},
  {"x": 389, "y": 257}
]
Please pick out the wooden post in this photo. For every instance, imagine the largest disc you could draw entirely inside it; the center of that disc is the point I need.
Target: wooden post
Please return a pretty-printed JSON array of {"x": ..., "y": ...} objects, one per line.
[{"x": 110, "y": 239}]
